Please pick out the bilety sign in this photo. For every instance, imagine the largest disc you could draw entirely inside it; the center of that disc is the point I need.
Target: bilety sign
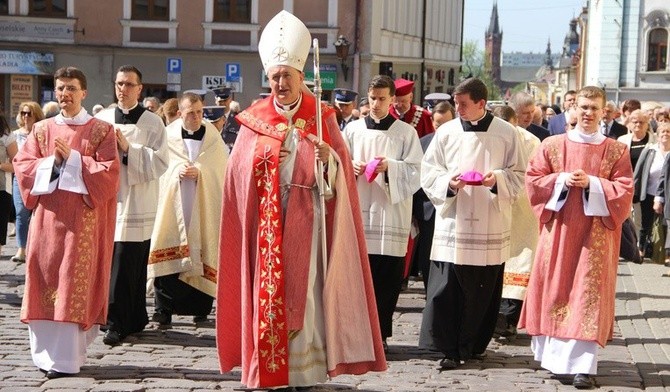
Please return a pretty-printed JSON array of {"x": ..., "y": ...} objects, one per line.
[
  {"x": 27, "y": 63},
  {"x": 210, "y": 82}
]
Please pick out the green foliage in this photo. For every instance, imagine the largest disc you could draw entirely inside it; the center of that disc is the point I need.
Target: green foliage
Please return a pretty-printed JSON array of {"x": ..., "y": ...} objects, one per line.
[{"x": 475, "y": 65}]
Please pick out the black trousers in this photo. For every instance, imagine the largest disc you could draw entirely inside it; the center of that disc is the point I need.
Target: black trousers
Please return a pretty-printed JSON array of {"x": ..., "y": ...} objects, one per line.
[
  {"x": 6, "y": 207},
  {"x": 174, "y": 296},
  {"x": 646, "y": 223},
  {"x": 128, "y": 287},
  {"x": 387, "y": 274},
  {"x": 461, "y": 310},
  {"x": 423, "y": 246},
  {"x": 511, "y": 309}
]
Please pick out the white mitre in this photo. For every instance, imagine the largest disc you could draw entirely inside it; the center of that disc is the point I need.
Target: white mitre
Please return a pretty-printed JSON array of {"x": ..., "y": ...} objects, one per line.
[{"x": 284, "y": 41}]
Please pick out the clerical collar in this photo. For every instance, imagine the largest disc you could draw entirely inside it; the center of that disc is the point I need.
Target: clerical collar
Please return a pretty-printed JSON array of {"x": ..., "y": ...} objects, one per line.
[
  {"x": 288, "y": 110},
  {"x": 81, "y": 118},
  {"x": 578, "y": 136},
  {"x": 382, "y": 125},
  {"x": 195, "y": 135},
  {"x": 126, "y": 111},
  {"x": 128, "y": 116},
  {"x": 480, "y": 125}
]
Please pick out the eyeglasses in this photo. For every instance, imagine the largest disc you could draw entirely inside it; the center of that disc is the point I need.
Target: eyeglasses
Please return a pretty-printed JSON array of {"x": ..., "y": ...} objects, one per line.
[
  {"x": 125, "y": 84},
  {"x": 29, "y": 114},
  {"x": 69, "y": 89}
]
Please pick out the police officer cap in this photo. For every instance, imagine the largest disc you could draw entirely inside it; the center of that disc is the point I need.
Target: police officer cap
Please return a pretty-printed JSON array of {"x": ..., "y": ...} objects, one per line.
[
  {"x": 213, "y": 113},
  {"x": 197, "y": 91},
  {"x": 222, "y": 92},
  {"x": 345, "y": 96}
]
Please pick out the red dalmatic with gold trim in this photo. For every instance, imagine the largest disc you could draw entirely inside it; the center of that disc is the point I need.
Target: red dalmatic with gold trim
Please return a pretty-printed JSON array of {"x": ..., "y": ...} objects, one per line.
[
  {"x": 71, "y": 235},
  {"x": 573, "y": 281}
]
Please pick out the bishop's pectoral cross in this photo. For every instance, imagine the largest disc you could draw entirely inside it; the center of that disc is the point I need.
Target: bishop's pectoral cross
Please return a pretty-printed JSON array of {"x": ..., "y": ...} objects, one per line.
[{"x": 471, "y": 219}]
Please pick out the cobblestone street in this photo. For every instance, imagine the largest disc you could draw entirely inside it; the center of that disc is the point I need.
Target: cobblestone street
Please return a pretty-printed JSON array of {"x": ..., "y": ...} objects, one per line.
[{"x": 184, "y": 358}]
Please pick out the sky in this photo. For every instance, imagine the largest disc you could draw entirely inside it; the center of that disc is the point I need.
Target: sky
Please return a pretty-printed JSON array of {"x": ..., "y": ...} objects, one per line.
[{"x": 526, "y": 24}]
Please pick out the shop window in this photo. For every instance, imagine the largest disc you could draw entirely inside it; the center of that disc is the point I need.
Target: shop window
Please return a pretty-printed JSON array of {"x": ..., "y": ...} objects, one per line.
[
  {"x": 657, "y": 58},
  {"x": 46, "y": 8},
  {"x": 151, "y": 10},
  {"x": 232, "y": 11}
]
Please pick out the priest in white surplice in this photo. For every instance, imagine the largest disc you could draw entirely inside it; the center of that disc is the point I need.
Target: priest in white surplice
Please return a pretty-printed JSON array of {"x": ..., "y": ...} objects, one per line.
[
  {"x": 472, "y": 225},
  {"x": 183, "y": 256},
  {"x": 386, "y": 154},
  {"x": 524, "y": 234},
  {"x": 142, "y": 143}
]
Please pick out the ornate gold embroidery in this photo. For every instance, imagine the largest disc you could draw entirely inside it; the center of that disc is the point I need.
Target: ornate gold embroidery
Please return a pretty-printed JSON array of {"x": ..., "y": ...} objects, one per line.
[
  {"x": 516, "y": 279},
  {"x": 98, "y": 133},
  {"x": 40, "y": 130},
  {"x": 82, "y": 267},
  {"x": 209, "y": 273},
  {"x": 560, "y": 313},
  {"x": 555, "y": 155},
  {"x": 300, "y": 123},
  {"x": 173, "y": 253},
  {"x": 598, "y": 251},
  {"x": 256, "y": 123},
  {"x": 49, "y": 298},
  {"x": 275, "y": 355}
]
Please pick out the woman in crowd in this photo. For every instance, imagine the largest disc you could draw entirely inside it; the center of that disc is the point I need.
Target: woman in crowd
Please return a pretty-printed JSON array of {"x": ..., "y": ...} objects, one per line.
[
  {"x": 29, "y": 114},
  {"x": 647, "y": 177},
  {"x": 639, "y": 136},
  {"x": 7, "y": 151}
]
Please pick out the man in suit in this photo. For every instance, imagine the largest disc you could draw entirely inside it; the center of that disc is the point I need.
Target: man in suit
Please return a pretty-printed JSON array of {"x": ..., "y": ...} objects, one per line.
[
  {"x": 524, "y": 107},
  {"x": 608, "y": 126},
  {"x": 558, "y": 122}
]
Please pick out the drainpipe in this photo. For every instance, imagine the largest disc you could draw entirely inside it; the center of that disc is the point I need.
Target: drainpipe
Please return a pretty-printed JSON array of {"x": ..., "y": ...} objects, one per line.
[{"x": 423, "y": 55}]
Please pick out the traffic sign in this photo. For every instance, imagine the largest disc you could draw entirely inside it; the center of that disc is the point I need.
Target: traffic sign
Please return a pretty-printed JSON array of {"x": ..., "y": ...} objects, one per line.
[
  {"x": 174, "y": 65},
  {"x": 233, "y": 71}
]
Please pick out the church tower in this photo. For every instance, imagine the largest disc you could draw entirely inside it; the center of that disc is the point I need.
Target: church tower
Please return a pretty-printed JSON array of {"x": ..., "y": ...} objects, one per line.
[
  {"x": 493, "y": 46},
  {"x": 547, "y": 59}
]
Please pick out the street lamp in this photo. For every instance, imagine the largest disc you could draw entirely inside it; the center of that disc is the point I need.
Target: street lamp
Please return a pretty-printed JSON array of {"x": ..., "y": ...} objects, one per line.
[{"x": 342, "y": 50}]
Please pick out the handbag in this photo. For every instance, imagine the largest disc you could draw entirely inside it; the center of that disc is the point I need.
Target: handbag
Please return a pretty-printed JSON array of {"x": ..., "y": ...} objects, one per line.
[{"x": 658, "y": 240}]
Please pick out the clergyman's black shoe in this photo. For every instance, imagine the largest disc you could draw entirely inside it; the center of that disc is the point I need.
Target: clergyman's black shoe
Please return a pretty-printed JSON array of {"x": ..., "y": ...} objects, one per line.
[
  {"x": 51, "y": 374},
  {"x": 199, "y": 319},
  {"x": 163, "y": 319},
  {"x": 480, "y": 356},
  {"x": 448, "y": 363},
  {"x": 111, "y": 338},
  {"x": 583, "y": 381}
]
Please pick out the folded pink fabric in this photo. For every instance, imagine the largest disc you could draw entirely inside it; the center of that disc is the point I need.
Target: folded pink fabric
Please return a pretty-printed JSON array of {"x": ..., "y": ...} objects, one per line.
[
  {"x": 472, "y": 177},
  {"x": 370, "y": 169}
]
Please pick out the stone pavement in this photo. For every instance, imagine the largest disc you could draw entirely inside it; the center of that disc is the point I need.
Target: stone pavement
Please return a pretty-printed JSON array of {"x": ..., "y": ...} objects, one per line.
[{"x": 184, "y": 357}]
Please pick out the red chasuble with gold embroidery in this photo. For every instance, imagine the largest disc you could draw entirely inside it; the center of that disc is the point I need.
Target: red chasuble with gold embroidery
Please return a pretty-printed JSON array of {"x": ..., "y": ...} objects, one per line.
[
  {"x": 265, "y": 257},
  {"x": 572, "y": 285},
  {"x": 71, "y": 235}
]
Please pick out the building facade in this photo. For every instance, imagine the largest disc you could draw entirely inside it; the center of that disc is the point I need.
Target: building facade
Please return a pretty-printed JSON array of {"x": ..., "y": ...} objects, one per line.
[
  {"x": 181, "y": 45},
  {"x": 627, "y": 49}
]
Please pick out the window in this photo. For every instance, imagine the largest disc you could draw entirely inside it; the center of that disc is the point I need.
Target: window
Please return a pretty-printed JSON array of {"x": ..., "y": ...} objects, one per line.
[
  {"x": 150, "y": 10},
  {"x": 232, "y": 11},
  {"x": 657, "y": 59},
  {"x": 47, "y": 8},
  {"x": 4, "y": 7}
]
